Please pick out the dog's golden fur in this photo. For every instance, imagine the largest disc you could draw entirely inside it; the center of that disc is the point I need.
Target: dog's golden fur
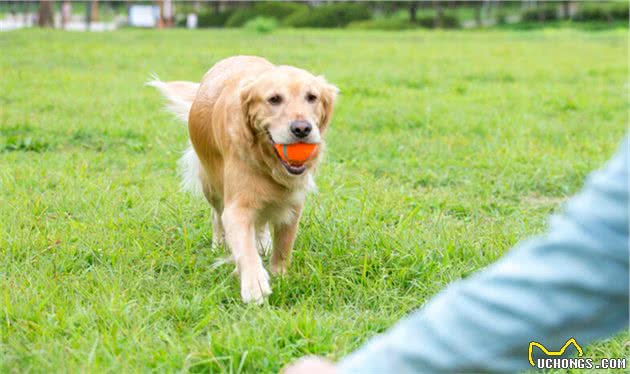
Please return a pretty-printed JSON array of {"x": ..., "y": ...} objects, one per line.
[{"x": 243, "y": 105}]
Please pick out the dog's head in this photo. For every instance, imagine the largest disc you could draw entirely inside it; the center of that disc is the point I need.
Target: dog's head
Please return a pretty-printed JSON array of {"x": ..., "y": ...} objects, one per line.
[{"x": 286, "y": 105}]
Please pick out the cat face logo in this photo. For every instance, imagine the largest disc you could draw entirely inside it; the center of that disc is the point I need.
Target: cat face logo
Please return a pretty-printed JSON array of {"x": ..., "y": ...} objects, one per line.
[{"x": 553, "y": 353}]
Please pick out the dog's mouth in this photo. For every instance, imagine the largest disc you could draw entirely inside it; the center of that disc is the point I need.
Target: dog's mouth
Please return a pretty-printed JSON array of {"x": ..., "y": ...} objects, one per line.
[{"x": 294, "y": 169}]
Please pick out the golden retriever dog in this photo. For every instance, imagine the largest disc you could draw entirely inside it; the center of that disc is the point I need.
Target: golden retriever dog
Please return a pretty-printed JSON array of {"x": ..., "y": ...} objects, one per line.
[{"x": 242, "y": 107}]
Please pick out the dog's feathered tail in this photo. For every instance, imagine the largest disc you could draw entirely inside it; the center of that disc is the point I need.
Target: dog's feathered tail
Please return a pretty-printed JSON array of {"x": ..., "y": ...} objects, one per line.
[
  {"x": 180, "y": 95},
  {"x": 190, "y": 171}
]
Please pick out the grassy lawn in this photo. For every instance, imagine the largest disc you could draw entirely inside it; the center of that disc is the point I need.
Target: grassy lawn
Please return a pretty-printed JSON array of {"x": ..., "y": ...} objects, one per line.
[{"x": 446, "y": 149}]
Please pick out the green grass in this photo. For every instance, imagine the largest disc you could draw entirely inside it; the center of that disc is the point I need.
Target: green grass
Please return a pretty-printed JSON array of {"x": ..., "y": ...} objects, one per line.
[
  {"x": 446, "y": 149},
  {"x": 574, "y": 25}
]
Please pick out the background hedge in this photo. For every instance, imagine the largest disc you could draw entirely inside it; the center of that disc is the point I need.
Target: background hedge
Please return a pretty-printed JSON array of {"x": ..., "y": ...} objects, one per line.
[
  {"x": 329, "y": 15},
  {"x": 278, "y": 11}
]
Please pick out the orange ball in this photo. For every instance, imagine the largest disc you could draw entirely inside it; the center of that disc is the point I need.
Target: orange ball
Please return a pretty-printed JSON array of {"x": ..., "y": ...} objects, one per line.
[{"x": 297, "y": 153}]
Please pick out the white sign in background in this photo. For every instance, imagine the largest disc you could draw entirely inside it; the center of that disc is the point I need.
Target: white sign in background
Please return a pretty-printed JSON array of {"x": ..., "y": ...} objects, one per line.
[{"x": 144, "y": 15}]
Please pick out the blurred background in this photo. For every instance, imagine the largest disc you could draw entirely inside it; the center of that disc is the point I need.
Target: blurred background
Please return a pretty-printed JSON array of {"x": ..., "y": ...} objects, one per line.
[{"x": 99, "y": 15}]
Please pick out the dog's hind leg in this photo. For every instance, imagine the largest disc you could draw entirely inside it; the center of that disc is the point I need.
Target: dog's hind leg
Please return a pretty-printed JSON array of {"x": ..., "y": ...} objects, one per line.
[
  {"x": 195, "y": 180},
  {"x": 283, "y": 238},
  {"x": 263, "y": 239},
  {"x": 218, "y": 232}
]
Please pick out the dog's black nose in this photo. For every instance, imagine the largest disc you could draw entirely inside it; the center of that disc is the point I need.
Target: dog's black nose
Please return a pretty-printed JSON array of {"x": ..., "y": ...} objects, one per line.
[{"x": 301, "y": 128}]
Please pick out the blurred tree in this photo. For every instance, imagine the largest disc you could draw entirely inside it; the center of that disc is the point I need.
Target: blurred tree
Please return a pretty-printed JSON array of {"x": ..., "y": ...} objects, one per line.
[
  {"x": 66, "y": 13},
  {"x": 88, "y": 15},
  {"x": 94, "y": 11},
  {"x": 45, "y": 14},
  {"x": 438, "y": 13},
  {"x": 166, "y": 13},
  {"x": 542, "y": 15},
  {"x": 566, "y": 9},
  {"x": 479, "y": 13},
  {"x": 413, "y": 8}
]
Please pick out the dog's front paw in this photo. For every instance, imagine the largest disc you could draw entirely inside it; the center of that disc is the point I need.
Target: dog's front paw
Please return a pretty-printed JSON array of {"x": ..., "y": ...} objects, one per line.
[{"x": 255, "y": 285}]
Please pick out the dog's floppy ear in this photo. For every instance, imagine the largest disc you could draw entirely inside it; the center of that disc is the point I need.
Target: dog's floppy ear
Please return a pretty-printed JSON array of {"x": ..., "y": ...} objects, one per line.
[
  {"x": 328, "y": 96},
  {"x": 246, "y": 91}
]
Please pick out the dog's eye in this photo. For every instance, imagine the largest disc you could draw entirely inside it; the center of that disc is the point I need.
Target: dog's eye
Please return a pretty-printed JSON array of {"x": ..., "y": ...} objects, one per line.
[
  {"x": 275, "y": 100},
  {"x": 311, "y": 98}
]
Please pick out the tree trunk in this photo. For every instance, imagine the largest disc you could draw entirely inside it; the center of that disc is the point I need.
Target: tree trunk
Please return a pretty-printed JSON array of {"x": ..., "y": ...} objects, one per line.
[
  {"x": 94, "y": 11},
  {"x": 413, "y": 8},
  {"x": 66, "y": 13},
  {"x": 566, "y": 9},
  {"x": 438, "y": 13},
  {"x": 541, "y": 12},
  {"x": 478, "y": 15},
  {"x": 160, "y": 24},
  {"x": 167, "y": 13},
  {"x": 45, "y": 14}
]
